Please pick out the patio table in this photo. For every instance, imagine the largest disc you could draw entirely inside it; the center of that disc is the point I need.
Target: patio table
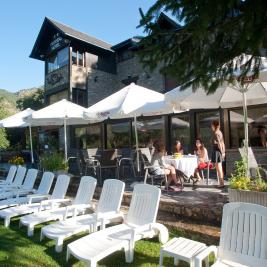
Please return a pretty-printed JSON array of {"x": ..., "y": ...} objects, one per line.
[{"x": 186, "y": 164}]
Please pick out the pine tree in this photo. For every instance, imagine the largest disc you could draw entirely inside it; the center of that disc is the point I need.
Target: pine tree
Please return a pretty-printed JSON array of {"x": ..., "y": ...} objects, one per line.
[{"x": 212, "y": 33}]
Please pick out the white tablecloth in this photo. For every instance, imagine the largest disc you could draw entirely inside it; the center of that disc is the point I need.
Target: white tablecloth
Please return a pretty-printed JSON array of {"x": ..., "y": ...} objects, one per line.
[{"x": 186, "y": 164}]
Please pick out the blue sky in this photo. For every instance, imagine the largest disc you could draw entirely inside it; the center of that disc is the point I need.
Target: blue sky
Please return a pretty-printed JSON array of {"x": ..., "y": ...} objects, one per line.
[{"x": 20, "y": 21}]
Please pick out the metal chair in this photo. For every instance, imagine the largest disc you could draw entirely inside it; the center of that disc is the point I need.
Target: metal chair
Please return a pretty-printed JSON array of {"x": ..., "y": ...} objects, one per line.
[
  {"x": 90, "y": 157},
  {"x": 146, "y": 158},
  {"x": 108, "y": 160},
  {"x": 126, "y": 155}
]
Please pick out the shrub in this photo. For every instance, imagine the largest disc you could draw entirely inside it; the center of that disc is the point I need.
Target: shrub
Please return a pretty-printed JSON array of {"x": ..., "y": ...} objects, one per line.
[
  {"x": 239, "y": 179},
  {"x": 53, "y": 162},
  {"x": 16, "y": 160}
]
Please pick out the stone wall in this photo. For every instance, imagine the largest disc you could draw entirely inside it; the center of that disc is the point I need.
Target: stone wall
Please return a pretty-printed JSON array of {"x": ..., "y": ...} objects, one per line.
[
  {"x": 100, "y": 84},
  {"x": 233, "y": 155},
  {"x": 57, "y": 78},
  {"x": 132, "y": 68}
]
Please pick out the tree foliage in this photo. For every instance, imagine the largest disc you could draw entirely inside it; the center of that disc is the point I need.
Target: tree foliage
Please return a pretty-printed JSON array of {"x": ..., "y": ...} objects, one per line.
[
  {"x": 34, "y": 100},
  {"x": 213, "y": 33},
  {"x": 4, "y": 142}
]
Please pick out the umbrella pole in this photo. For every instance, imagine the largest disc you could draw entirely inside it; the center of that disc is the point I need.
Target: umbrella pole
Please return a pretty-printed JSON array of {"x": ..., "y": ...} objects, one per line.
[
  {"x": 136, "y": 143},
  {"x": 65, "y": 140},
  {"x": 30, "y": 130},
  {"x": 245, "y": 112}
]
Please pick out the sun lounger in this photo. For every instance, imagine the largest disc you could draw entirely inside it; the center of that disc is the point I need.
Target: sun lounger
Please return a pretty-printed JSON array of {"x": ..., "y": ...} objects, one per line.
[
  {"x": 108, "y": 210},
  {"x": 82, "y": 201},
  {"x": 10, "y": 176},
  {"x": 24, "y": 189},
  {"x": 17, "y": 182},
  {"x": 54, "y": 200},
  {"x": 243, "y": 241},
  {"x": 139, "y": 223},
  {"x": 40, "y": 194}
]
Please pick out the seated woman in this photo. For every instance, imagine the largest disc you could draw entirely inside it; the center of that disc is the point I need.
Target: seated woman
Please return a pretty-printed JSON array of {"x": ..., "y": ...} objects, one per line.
[
  {"x": 158, "y": 162},
  {"x": 178, "y": 148},
  {"x": 202, "y": 155}
]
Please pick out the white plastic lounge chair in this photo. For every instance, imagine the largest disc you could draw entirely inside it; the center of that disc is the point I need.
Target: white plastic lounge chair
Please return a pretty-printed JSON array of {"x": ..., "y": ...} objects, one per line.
[
  {"x": 17, "y": 182},
  {"x": 25, "y": 188},
  {"x": 108, "y": 209},
  {"x": 38, "y": 195},
  {"x": 243, "y": 241},
  {"x": 79, "y": 205},
  {"x": 10, "y": 176},
  {"x": 55, "y": 200},
  {"x": 139, "y": 223}
]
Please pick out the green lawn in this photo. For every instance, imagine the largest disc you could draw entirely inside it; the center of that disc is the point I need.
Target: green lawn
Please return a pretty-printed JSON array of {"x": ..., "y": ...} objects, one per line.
[{"x": 16, "y": 249}]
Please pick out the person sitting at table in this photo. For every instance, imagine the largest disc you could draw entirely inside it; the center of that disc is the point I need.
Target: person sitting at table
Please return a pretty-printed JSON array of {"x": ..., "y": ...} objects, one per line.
[
  {"x": 159, "y": 165},
  {"x": 178, "y": 148},
  {"x": 202, "y": 154}
]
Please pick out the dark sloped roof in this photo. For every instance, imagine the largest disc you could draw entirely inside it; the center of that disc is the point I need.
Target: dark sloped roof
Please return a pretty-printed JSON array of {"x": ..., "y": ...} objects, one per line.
[{"x": 80, "y": 35}]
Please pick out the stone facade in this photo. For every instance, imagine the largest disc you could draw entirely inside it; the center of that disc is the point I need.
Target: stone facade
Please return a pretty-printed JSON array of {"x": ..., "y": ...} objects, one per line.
[
  {"x": 57, "y": 78},
  {"x": 133, "y": 68},
  {"x": 100, "y": 84}
]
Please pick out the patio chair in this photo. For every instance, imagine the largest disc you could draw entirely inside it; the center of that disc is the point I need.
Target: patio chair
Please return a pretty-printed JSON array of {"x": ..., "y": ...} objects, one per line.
[
  {"x": 108, "y": 160},
  {"x": 17, "y": 182},
  {"x": 81, "y": 202},
  {"x": 52, "y": 201},
  {"x": 90, "y": 157},
  {"x": 24, "y": 189},
  {"x": 146, "y": 158},
  {"x": 108, "y": 210},
  {"x": 10, "y": 176},
  {"x": 36, "y": 196},
  {"x": 255, "y": 169},
  {"x": 243, "y": 241},
  {"x": 139, "y": 223},
  {"x": 126, "y": 160}
]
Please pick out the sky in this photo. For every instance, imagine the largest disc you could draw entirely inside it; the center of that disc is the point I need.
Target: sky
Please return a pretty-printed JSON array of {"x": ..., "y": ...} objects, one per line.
[{"x": 20, "y": 21}]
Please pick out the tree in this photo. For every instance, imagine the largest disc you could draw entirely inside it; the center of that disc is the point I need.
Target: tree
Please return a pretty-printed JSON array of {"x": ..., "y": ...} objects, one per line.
[
  {"x": 33, "y": 100},
  {"x": 213, "y": 33},
  {"x": 4, "y": 142}
]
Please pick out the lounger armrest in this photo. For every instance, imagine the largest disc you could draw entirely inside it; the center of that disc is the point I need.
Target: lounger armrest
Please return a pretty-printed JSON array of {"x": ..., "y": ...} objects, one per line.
[
  {"x": 20, "y": 192},
  {"x": 34, "y": 196},
  {"x": 204, "y": 254},
  {"x": 105, "y": 217},
  {"x": 52, "y": 202},
  {"x": 75, "y": 208}
]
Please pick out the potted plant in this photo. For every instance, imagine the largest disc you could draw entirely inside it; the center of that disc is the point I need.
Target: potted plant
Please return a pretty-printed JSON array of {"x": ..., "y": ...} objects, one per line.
[
  {"x": 246, "y": 189},
  {"x": 54, "y": 162},
  {"x": 17, "y": 160}
]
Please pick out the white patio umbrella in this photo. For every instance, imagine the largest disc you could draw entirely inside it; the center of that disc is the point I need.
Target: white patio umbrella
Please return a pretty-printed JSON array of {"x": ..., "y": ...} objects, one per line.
[
  {"x": 228, "y": 95},
  {"x": 130, "y": 102},
  {"x": 63, "y": 113},
  {"x": 17, "y": 121}
]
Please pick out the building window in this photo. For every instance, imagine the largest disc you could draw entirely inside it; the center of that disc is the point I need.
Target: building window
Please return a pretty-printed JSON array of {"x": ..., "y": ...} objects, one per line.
[
  {"x": 77, "y": 58},
  {"x": 203, "y": 123},
  {"x": 119, "y": 135},
  {"x": 58, "y": 60},
  {"x": 257, "y": 121},
  {"x": 150, "y": 130},
  {"x": 79, "y": 96},
  {"x": 180, "y": 127},
  {"x": 88, "y": 137}
]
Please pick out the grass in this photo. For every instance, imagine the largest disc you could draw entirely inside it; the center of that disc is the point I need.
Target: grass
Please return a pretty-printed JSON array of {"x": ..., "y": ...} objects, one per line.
[{"x": 16, "y": 249}]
